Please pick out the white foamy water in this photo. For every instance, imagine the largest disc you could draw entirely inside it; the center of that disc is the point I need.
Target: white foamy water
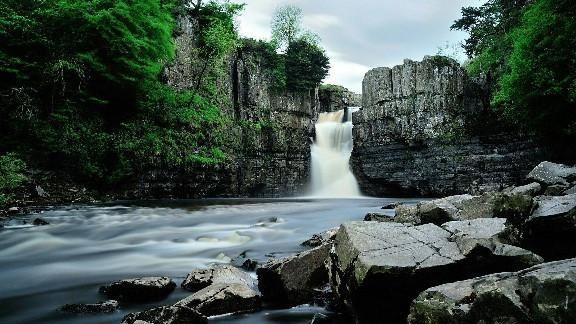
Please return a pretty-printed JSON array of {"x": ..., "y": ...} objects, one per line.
[{"x": 331, "y": 174}]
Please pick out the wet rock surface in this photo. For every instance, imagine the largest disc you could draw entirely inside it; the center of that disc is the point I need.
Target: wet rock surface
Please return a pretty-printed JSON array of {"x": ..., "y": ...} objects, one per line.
[
  {"x": 108, "y": 306},
  {"x": 166, "y": 315},
  {"x": 295, "y": 279},
  {"x": 377, "y": 268},
  {"x": 551, "y": 229},
  {"x": 545, "y": 293},
  {"x": 139, "y": 289},
  {"x": 222, "y": 274},
  {"x": 223, "y": 298},
  {"x": 321, "y": 238},
  {"x": 549, "y": 174}
]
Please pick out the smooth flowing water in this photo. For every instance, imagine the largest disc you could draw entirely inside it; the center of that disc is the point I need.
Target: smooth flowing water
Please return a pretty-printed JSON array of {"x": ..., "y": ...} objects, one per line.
[
  {"x": 330, "y": 171},
  {"x": 44, "y": 267}
]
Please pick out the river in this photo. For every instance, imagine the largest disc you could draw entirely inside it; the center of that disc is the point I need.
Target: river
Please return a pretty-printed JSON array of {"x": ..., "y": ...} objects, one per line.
[{"x": 84, "y": 247}]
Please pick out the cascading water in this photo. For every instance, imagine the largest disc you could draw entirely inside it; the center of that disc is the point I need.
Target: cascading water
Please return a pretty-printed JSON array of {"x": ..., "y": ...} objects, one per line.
[{"x": 331, "y": 174}]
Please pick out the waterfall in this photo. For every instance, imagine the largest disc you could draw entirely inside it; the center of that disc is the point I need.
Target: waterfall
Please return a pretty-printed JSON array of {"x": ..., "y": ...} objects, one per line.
[{"x": 331, "y": 174}]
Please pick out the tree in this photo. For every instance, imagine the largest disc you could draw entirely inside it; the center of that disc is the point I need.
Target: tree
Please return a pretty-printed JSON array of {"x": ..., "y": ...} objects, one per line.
[
  {"x": 286, "y": 25},
  {"x": 306, "y": 66}
]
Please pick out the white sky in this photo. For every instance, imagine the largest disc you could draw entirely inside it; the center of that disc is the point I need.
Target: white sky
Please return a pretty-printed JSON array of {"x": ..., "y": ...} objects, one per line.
[{"x": 363, "y": 34}]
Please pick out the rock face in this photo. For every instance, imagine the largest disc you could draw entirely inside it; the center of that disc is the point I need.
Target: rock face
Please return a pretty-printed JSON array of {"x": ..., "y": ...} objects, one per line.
[
  {"x": 223, "y": 274},
  {"x": 223, "y": 298},
  {"x": 269, "y": 135},
  {"x": 321, "y": 238},
  {"x": 545, "y": 293},
  {"x": 139, "y": 289},
  {"x": 416, "y": 134},
  {"x": 293, "y": 280},
  {"x": 334, "y": 98},
  {"x": 378, "y": 268},
  {"x": 166, "y": 315}
]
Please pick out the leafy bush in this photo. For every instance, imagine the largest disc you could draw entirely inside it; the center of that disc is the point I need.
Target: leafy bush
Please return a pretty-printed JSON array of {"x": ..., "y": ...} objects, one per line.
[{"x": 11, "y": 175}]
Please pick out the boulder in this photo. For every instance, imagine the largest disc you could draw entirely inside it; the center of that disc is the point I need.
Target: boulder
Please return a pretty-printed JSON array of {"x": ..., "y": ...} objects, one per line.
[
  {"x": 242, "y": 261},
  {"x": 376, "y": 269},
  {"x": 321, "y": 238},
  {"x": 531, "y": 189},
  {"x": 545, "y": 293},
  {"x": 223, "y": 298},
  {"x": 221, "y": 274},
  {"x": 294, "y": 280},
  {"x": 39, "y": 222},
  {"x": 555, "y": 190},
  {"x": 379, "y": 217},
  {"x": 108, "y": 306},
  {"x": 551, "y": 229},
  {"x": 570, "y": 191},
  {"x": 465, "y": 207},
  {"x": 392, "y": 205},
  {"x": 139, "y": 289},
  {"x": 549, "y": 173},
  {"x": 166, "y": 315}
]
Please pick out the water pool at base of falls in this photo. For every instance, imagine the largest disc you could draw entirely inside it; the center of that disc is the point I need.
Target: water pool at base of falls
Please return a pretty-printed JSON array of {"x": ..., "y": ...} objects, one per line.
[{"x": 84, "y": 247}]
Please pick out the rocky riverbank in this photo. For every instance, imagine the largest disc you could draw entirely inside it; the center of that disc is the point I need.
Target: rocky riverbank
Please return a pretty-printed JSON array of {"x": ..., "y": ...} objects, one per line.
[{"x": 503, "y": 256}]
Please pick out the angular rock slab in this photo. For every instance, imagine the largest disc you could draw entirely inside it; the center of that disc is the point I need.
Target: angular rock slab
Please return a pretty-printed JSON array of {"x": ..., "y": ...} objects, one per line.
[
  {"x": 551, "y": 229},
  {"x": 221, "y": 274},
  {"x": 321, "y": 238},
  {"x": 166, "y": 315},
  {"x": 139, "y": 289},
  {"x": 466, "y": 207},
  {"x": 549, "y": 173},
  {"x": 294, "y": 280},
  {"x": 222, "y": 298},
  {"x": 378, "y": 268},
  {"x": 545, "y": 293},
  {"x": 108, "y": 306}
]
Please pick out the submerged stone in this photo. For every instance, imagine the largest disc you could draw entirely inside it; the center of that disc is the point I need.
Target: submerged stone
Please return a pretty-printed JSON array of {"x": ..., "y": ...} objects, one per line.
[{"x": 139, "y": 289}]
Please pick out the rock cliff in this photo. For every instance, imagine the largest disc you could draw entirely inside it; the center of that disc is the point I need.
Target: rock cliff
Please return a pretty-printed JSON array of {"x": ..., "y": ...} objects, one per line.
[
  {"x": 418, "y": 134},
  {"x": 268, "y": 137}
]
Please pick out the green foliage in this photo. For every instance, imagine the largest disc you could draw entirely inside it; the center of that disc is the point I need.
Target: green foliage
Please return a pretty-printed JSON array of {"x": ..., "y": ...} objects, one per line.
[
  {"x": 272, "y": 62},
  {"x": 539, "y": 85},
  {"x": 528, "y": 50},
  {"x": 287, "y": 28},
  {"x": 80, "y": 86},
  {"x": 306, "y": 66},
  {"x": 11, "y": 175}
]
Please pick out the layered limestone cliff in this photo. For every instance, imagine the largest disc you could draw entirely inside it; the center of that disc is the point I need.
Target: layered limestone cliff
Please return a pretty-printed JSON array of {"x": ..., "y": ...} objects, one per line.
[
  {"x": 418, "y": 133},
  {"x": 268, "y": 137}
]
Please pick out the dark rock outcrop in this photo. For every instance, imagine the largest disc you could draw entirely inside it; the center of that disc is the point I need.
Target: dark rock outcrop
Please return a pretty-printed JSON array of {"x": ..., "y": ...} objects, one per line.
[
  {"x": 222, "y": 274},
  {"x": 334, "y": 98},
  {"x": 108, "y": 306},
  {"x": 295, "y": 279},
  {"x": 378, "y": 268},
  {"x": 223, "y": 298},
  {"x": 545, "y": 293},
  {"x": 418, "y": 134},
  {"x": 39, "y": 222},
  {"x": 139, "y": 289},
  {"x": 551, "y": 229},
  {"x": 166, "y": 315}
]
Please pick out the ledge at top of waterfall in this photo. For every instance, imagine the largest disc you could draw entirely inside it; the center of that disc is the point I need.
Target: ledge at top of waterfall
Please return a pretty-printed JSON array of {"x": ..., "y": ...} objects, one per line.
[{"x": 331, "y": 174}]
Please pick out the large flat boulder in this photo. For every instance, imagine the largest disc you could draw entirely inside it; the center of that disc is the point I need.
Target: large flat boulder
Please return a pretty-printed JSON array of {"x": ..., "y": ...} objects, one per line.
[
  {"x": 465, "y": 207},
  {"x": 545, "y": 293},
  {"x": 221, "y": 274},
  {"x": 107, "y": 306},
  {"x": 531, "y": 189},
  {"x": 166, "y": 315},
  {"x": 551, "y": 229},
  {"x": 549, "y": 174},
  {"x": 218, "y": 299},
  {"x": 139, "y": 289},
  {"x": 295, "y": 279},
  {"x": 378, "y": 268}
]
